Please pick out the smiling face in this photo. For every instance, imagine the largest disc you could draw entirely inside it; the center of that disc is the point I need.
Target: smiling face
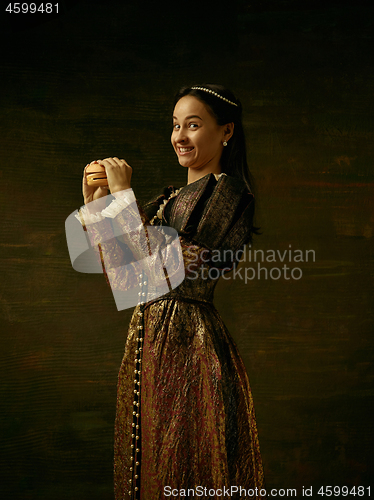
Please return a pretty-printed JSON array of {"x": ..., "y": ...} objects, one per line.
[{"x": 197, "y": 139}]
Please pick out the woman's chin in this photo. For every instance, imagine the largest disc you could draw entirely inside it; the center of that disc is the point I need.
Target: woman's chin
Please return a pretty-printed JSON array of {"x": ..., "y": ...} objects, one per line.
[{"x": 183, "y": 163}]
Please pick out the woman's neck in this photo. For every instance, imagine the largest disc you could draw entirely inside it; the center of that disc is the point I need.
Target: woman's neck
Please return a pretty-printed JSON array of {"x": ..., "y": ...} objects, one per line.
[{"x": 196, "y": 174}]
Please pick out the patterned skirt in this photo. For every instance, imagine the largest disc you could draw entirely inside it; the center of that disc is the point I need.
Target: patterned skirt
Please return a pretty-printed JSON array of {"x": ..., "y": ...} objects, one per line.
[{"x": 185, "y": 418}]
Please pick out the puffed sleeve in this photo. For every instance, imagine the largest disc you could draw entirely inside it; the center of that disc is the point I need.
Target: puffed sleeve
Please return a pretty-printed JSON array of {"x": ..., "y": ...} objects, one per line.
[
  {"x": 110, "y": 252},
  {"x": 131, "y": 251},
  {"x": 91, "y": 235},
  {"x": 156, "y": 248}
]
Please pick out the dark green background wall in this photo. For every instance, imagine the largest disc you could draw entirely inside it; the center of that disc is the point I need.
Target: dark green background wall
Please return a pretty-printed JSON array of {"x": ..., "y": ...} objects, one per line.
[{"x": 97, "y": 80}]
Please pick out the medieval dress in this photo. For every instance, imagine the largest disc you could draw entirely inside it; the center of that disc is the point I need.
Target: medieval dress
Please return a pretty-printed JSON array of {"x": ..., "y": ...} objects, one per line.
[{"x": 185, "y": 418}]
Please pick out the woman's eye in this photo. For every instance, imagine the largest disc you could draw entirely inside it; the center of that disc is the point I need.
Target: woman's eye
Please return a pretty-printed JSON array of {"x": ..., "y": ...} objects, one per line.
[{"x": 191, "y": 125}]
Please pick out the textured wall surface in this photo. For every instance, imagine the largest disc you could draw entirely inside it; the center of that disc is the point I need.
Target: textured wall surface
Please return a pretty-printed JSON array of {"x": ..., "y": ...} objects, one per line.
[{"x": 97, "y": 80}]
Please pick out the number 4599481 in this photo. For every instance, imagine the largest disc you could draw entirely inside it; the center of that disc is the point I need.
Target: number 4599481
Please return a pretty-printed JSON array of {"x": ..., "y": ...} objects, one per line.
[
  {"x": 32, "y": 8},
  {"x": 344, "y": 491}
]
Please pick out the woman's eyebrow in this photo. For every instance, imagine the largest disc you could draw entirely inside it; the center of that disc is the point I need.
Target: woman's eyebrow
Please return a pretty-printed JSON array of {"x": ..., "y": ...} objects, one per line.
[{"x": 188, "y": 117}]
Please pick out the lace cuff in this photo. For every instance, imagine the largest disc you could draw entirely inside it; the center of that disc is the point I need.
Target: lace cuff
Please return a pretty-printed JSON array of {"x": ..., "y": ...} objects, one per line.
[
  {"x": 85, "y": 217},
  {"x": 122, "y": 200}
]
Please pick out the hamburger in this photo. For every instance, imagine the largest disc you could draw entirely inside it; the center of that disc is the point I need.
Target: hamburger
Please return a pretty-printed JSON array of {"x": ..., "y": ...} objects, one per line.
[{"x": 96, "y": 175}]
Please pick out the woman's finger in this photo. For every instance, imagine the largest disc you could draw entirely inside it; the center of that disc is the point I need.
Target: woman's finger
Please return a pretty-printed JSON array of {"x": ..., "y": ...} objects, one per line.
[
  {"x": 116, "y": 160},
  {"x": 120, "y": 162},
  {"x": 109, "y": 161}
]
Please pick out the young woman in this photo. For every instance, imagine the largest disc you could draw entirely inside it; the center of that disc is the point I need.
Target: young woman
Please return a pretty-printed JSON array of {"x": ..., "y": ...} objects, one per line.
[{"x": 185, "y": 417}]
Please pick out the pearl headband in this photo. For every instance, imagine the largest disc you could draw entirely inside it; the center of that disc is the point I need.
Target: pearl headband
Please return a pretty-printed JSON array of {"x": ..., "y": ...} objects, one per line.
[{"x": 214, "y": 93}]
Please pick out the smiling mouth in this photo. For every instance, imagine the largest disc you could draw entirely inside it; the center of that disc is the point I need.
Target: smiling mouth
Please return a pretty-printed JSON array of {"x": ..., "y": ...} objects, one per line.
[{"x": 184, "y": 151}]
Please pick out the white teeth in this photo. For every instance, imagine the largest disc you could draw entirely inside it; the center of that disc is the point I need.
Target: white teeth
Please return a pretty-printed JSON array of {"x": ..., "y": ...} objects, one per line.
[{"x": 183, "y": 150}]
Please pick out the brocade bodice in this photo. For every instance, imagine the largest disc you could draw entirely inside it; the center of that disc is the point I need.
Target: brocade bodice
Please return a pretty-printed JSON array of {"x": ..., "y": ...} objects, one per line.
[{"x": 210, "y": 216}]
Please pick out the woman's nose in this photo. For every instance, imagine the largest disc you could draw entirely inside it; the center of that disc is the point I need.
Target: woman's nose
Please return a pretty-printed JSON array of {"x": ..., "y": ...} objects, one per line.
[{"x": 181, "y": 135}]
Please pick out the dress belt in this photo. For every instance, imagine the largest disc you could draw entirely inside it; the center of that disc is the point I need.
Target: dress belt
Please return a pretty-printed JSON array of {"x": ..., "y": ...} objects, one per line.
[{"x": 180, "y": 298}]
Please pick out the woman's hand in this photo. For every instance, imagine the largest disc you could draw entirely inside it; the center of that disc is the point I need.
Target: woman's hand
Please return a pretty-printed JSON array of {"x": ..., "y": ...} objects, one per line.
[
  {"x": 118, "y": 173},
  {"x": 93, "y": 193},
  {"x": 119, "y": 178}
]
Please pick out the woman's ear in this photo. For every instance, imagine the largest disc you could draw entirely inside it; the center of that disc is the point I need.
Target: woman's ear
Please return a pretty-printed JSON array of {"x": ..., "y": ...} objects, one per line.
[{"x": 228, "y": 130}]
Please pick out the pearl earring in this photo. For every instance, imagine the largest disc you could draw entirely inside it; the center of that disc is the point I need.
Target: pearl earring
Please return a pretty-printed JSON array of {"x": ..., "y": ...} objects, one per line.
[{"x": 224, "y": 143}]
